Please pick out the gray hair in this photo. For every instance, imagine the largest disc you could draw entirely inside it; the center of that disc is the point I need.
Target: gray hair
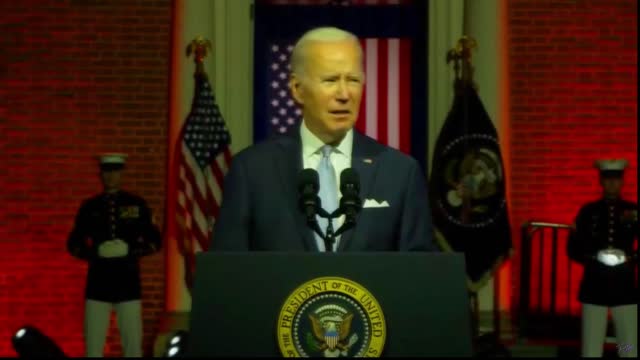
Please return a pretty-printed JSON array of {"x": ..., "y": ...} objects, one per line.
[{"x": 322, "y": 34}]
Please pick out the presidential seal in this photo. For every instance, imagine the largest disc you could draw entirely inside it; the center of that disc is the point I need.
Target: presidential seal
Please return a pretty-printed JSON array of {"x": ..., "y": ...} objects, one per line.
[
  {"x": 331, "y": 317},
  {"x": 472, "y": 193}
]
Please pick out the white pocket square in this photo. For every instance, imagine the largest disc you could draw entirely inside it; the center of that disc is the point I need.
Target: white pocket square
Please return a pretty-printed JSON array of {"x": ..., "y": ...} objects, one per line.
[{"x": 372, "y": 203}]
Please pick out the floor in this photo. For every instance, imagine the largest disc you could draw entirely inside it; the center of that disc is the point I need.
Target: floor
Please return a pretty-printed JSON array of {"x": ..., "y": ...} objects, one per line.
[{"x": 511, "y": 345}]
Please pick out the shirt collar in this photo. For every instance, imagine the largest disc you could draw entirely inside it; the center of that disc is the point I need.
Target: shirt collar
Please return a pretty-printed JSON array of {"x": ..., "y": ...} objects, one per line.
[{"x": 311, "y": 144}]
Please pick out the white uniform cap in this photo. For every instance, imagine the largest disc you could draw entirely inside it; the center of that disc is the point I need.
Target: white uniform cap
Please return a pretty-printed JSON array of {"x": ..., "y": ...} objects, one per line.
[
  {"x": 112, "y": 161},
  {"x": 611, "y": 164}
]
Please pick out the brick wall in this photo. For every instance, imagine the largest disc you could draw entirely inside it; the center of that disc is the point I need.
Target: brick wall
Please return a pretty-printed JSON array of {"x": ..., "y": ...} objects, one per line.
[
  {"x": 573, "y": 71},
  {"x": 77, "y": 77},
  {"x": 80, "y": 77}
]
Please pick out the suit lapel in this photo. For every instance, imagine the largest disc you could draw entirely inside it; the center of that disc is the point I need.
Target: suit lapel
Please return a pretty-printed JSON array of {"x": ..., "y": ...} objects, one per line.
[
  {"x": 364, "y": 162},
  {"x": 288, "y": 165}
]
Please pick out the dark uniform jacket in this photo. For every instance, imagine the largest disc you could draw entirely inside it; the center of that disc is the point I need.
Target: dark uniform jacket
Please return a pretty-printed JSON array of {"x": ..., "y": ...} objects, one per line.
[
  {"x": 600, "y": 225},
  {"x": 107, "y": 217}
]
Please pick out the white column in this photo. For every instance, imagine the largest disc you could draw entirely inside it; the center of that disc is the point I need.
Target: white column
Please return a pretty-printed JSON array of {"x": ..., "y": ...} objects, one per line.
[
  {"x": 190, "y": 19},
  {"x": 232, "y": 74},
  {"x": 229, "y": 27},
  {"x": 445, "y": 28},
  {"x": 485, "y": 20}
]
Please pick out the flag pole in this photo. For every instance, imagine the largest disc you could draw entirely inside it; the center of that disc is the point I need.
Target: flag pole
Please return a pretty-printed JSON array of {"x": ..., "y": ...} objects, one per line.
[
  {"x": 460, "y": 55},
  {"x": 461, "y": 58}
]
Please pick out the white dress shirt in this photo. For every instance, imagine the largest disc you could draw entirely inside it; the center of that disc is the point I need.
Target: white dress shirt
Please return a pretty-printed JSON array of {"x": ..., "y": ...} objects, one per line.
[{"x": 340, "y": 159}]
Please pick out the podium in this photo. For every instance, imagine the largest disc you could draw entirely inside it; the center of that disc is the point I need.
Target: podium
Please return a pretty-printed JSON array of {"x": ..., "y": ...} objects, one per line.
[{"x": 330, "y": 305}]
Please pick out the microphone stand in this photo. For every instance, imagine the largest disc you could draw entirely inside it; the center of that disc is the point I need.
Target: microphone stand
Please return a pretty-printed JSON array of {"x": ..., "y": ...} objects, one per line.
[
  {"x": 312, "y": 222},
  {"x": 329, "y": 237},
  {"x": 331, "y": 234}
]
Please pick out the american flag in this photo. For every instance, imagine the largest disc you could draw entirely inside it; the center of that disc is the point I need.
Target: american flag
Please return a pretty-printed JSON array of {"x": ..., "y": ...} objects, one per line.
[
  {"x": 385, "y": 112},
  {"x": 203, "y": 160}
]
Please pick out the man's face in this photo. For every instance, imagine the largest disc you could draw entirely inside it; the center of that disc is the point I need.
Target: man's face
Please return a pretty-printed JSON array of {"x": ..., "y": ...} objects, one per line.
[
  {"x": 330, "y": 88},
  {"x": 111, "y": 180},
  {"x": 611, "y": 186}
]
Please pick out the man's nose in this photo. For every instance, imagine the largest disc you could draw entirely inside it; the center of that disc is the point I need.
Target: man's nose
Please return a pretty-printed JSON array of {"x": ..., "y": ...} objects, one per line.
[{"x": 342, "y": 93}]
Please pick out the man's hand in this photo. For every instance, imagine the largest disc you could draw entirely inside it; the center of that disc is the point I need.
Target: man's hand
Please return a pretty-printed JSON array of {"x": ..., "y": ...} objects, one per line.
[
  {"x": 122, "y": 248},
  {"x": 106, "y": 249}
]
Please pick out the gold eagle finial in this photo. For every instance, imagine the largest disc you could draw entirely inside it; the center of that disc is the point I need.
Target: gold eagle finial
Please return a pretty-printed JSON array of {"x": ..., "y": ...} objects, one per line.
[
  {"x": 200, "y": 48},
  {"x": 461, "y": 57}
]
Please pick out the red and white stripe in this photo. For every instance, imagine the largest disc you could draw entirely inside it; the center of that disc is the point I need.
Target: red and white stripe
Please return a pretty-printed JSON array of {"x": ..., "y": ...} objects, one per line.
[
  {"x": 199, "y": 198},
  {"x": 385, "y": 112}
]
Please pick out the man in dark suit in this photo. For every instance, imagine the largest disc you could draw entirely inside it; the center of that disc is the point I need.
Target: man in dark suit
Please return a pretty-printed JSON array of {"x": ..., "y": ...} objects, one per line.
[{"x": 260, "y": 202}]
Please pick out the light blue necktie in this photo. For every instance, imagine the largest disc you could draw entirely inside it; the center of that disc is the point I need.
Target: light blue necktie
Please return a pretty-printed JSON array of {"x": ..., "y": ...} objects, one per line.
[{"x": 328, "y": 193}]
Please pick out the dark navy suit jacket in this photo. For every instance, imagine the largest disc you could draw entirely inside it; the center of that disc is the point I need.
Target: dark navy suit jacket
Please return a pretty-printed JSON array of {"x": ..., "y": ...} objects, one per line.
[{"x": 260, "y": 212}]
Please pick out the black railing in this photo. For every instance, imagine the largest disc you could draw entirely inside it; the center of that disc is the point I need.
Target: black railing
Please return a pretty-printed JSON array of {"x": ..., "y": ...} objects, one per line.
[{"x": 556, "y": 320}]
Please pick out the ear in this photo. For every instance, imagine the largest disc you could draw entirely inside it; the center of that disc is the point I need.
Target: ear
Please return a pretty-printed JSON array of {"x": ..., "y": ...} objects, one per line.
[{"x": 295, "y": 85}]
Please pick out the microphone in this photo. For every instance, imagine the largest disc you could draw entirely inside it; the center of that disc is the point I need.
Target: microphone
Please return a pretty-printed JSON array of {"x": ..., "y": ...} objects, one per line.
[
  {"x": 350, "y": 203},
  {"x": 308, "y": 187},
  {"x": 309, "y": 203}
]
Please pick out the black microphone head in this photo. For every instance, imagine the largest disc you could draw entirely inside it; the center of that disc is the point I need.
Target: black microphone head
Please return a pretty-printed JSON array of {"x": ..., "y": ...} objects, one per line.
[
  {"x": 308, "y": 187},
  {"x": 308, "y": 181},
  {"x": 349, "y": 181}
]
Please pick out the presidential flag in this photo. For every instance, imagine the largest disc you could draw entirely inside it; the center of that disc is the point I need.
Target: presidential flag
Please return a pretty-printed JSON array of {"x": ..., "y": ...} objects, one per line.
[{"x": 467, "y": 187}]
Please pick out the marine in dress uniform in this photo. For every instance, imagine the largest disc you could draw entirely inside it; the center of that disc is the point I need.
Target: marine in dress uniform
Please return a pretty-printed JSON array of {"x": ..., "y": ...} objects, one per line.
[
  {"x": 112, "y": 231},
  {"x": 602, "y": 240}
]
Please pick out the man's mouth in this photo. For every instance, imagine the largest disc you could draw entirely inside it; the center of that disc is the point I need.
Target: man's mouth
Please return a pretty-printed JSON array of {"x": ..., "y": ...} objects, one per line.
[{"x": 340, "y": 112}]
